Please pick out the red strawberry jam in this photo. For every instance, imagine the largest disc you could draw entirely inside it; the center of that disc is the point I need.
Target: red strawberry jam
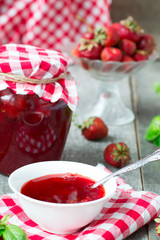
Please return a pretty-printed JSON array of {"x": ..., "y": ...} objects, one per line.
[
  {"x": 31, "y": 130},
  {"x": 63, "y": 188}
]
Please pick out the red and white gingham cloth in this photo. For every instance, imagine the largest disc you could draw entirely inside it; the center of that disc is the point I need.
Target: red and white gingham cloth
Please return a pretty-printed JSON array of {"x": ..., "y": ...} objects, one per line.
[
  {"x": 37, "y": 63},
  {"x": 50, "y": 23},
  {"x": 126, "y": 211}
]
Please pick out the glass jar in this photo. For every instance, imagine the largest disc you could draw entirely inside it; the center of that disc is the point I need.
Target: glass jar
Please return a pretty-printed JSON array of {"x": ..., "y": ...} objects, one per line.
[{"x": 31, "y": 129}]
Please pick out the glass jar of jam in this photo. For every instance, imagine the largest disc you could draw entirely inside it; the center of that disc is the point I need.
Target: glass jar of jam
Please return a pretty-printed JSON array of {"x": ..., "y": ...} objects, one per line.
[
  {"x": 37, "y": 97},
  {"x": 31, "y": 129}
]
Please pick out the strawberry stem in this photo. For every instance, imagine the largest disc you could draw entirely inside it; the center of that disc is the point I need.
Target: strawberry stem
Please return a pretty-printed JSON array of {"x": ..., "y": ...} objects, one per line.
[{"x": 90, "y": 30}]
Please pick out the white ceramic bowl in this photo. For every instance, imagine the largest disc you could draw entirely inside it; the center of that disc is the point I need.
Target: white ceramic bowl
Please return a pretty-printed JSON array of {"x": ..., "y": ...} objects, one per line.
[{"x": 56, "y": 217}]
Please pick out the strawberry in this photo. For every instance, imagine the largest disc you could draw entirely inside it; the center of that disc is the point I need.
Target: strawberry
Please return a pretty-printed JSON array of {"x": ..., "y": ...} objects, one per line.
[
  {"x": 128, "y": 47},
  {"x": 88, "y": 35},
  {"x": 6, "y": 96},
  {"x": 21, "y": 102},
  {"x": 127, "y": 58},
  {"x": 2, "y": 113},
  {"x": 84, "y": 64},
  {"x": 140, "y": 55},
  {"x": 157, "y": 220},
  {"x": 11, "y": 111},
  {"x": 117, "y": 154},
  {"x": 146, "y": 43},
  {"x": 88, "y": 49},
  {"x": 75, "y": 52},
  {"x": 94, "y": 129},
  {"x": 111, "y": 54},
  {"x": 9, "y": 103},
  {"x": 106, "y": 36},
  {"x": 129, "y": 29},
  {"x": 12, "y": 103},
  {"x": 127, "y": 67}
]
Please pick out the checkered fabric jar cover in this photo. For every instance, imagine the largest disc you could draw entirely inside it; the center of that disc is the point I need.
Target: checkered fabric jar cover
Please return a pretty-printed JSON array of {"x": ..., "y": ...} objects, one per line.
[{"x": 31, "y": 70}]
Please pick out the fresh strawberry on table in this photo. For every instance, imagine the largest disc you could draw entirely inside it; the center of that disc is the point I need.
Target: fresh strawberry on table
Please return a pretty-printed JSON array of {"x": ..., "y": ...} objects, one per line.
[
  {"x": 94, "y": 129},
  {"x": 117, "y": 154}
]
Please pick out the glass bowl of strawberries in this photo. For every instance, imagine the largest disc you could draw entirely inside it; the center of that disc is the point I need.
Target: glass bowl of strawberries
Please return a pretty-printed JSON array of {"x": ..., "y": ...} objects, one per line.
[
  {"x": 115, "y": 70},
  {"x": 110, "y": 54}
]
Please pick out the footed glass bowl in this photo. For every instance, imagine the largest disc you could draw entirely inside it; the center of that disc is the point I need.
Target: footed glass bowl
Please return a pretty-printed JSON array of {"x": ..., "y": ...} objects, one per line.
[
  {"x": 110, "y": 106},
  {"x": 114, "y": 70}
]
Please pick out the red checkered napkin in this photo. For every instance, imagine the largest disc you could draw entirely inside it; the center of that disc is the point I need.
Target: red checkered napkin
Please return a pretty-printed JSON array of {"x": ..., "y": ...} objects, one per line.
[
  {"x": 37, "y": 63},
  {"x": 51, "y": 23},
  {"x": 126, "y": 211}
]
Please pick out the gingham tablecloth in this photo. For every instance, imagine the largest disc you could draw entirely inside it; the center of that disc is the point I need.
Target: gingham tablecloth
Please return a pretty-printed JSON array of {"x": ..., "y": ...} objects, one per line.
[
  {"x": 37, "y": 63},
  {"x": 51, "y": 23},
  {"x": 126, "y": 211}
]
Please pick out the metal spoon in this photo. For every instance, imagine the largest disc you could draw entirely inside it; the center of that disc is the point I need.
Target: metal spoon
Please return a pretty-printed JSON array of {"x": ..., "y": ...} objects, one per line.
[{"x": 151, "y": 158}]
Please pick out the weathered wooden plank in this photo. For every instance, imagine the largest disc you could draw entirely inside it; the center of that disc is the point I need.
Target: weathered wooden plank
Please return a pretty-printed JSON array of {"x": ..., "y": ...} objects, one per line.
[
  {"x": 148, "y": 106},
  {"x": 4, "y": 188}
]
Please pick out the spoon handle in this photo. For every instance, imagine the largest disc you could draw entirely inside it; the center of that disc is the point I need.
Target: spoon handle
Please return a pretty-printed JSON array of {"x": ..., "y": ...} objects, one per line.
[{"x": 153, "y": 157}]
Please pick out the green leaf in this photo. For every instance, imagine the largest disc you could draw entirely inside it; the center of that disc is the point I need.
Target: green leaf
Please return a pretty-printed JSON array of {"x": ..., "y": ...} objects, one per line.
[
  {"x": 157, "y": 88},
  {"x": 3, "y": 223},
  {"x": 5, "y": 220},
  {"x": 14, "y": 232},
  {"x": 157, "y": 141},
  {"x": 119, "y": 147},
  {"x": 153, "y": 130},
  {"x": 74, "y": 116},
  {"x": 2, "y": 230},
  {"x": 2, "y": 227},
  {"x": 157, "y": 220},
  {"x": 10, "y": 231},
  {"x": 151, "y": 133}
]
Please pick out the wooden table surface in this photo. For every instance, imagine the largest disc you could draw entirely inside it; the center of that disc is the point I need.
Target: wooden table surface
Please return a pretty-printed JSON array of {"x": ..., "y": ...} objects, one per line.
[{"x": 138, "y": 94}]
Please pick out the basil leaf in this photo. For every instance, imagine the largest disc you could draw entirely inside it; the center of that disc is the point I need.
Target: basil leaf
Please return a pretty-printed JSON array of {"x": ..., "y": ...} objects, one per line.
[
  {"x": 151, "y": 133},
  {"x": 14, "y": 232},
  {"x": 4, "y": 220},
  {"x": 153, "y": 130},
  {"x": 157, "y": 88},
  {"x": 157, "y": 141},
  {"x": 10, "y": 231},
  {"x": 2, "y": 229}
]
